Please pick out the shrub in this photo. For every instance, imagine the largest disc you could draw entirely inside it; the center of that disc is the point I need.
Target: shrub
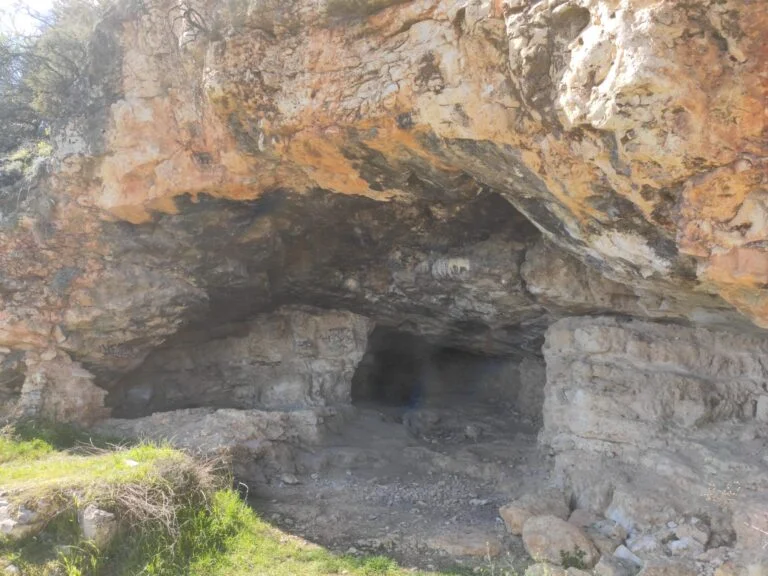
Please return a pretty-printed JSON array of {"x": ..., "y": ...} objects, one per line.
[{"x": 43, "y": 74}]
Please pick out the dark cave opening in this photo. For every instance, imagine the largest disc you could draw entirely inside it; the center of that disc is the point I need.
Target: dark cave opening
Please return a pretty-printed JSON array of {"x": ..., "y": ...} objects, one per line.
[
  {"x": 404, "y": 371},
  {"x": 394, "y": 370}
]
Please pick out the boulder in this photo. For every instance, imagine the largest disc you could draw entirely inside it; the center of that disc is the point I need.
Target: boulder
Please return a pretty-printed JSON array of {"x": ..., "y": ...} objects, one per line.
[
  {"x": 18, "y": 522},
  {"x": 548, "y": 502},
  {"x": 552, "y": 539},
  {"x": 625, "y": 554},
  {"x": 98, "y": 526}
]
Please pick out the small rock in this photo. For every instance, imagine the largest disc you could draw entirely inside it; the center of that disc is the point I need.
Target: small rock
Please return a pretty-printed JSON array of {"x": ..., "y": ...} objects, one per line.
[
  {"x": 472, "y": 432},
  {"x": 25, "y": 516},
  {"x": 583, "y": 518},
  {"x": 289, "y": 479},
  {"x": 547, "y": 538},
  {"x": 761, "y": 413},
  {"x": 748, "y": 434},
  {"x": 643, "y": 543},
  {"x": 613, "y": 566},
  {"x": 11, "y": 570},
  {"x": 478, "y": 502},
  {"x": 98, "y": 526},
  {"x": 549, "y": 502},
  {"x": 697, "y": 531},
  {"x": 20, "y": 524},
  {"x": 130, "y": 463},
  {"x": 59, "y": 335},
  {"x": 577, "y": 572},
  {"x": 607, "y": 535},
  {"x": 685, "y": 547},
  {"x": 715, "y": 556},
  {"x": 727, "y": 569},
  {"x": 624, "y": 553},
  {"x": 605, "y": 545},
  {"x": 544, "y": 569},
  {"x": 48, "y": 354},
  {"x": 610, "y": 529}
]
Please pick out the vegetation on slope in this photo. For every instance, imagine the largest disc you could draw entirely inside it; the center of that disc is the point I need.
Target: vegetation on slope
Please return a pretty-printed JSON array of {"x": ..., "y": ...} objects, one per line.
[{"x": 177, "y": 515}]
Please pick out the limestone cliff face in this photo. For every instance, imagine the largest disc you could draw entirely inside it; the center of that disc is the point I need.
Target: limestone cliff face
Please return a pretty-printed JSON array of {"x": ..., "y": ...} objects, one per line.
[{"x": 466, "y": 170}]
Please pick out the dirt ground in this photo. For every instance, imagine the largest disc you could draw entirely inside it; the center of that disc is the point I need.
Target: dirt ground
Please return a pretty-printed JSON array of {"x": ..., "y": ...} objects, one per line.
[{"x": 422, "y": 485}]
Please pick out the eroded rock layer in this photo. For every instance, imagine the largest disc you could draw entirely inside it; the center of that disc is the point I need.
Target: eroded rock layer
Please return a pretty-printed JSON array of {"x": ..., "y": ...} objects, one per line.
[
  {"x": 332, "y": 153},
  {"x": 291, "y": 359},
  {"x": 651, "y": 421}
]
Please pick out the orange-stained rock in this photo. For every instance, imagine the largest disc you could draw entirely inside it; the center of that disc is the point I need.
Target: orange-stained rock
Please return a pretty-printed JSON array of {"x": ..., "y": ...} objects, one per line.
[{"x": 337, "y": 153}]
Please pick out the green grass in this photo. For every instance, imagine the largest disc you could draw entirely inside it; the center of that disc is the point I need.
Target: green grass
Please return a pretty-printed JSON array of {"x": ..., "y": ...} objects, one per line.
[
  {"x": 57, "y": 470},
  {"x": 212, "y": 531},
  {"x": 256, "y": 548}
]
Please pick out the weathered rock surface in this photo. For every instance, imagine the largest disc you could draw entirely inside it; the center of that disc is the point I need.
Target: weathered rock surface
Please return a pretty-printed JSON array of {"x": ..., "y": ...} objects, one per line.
[
  {"x": 292, "y": 358},
  {"x": 98, "y": 526},
  {"x": 371, "y": 163},
  {"x": 547, "y": 502},
  {"x": 551, "y": 539},
  {"x": 260, "y": 444},
  {"x": 17, "y": 522},
  {"x": 648, "y": 420}
]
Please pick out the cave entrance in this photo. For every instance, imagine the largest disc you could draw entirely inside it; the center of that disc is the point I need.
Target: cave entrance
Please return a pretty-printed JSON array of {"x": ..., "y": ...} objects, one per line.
[
  {"x": 436, "y": 441},
  {"x": 393, "y": 372},
  {"x": 404, "y": 373},
  {"x": 439, "y": 439}
]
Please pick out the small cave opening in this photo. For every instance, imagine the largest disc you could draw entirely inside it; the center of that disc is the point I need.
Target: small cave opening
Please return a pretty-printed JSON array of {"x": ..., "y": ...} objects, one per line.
[{"x": 405, "y": 374}]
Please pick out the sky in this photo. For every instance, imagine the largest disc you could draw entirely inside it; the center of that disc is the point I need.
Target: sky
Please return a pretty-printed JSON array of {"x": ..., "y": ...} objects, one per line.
[{"x": 13, "y": 16}]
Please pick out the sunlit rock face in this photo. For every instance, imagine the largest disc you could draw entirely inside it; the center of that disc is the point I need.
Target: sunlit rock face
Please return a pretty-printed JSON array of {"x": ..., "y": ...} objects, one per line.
[
  {"x": 466, "y": 171},
  {"x": 569, "y": 191},
  {"x": 651, "y": 420}
]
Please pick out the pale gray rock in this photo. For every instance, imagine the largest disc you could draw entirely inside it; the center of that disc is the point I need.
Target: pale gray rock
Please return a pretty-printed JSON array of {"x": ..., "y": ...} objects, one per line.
[{"x": 98, "y": 526}]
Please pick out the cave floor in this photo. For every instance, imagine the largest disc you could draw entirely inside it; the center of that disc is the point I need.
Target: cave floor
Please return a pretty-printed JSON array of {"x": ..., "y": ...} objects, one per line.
[{"x": 420, "y": 485}]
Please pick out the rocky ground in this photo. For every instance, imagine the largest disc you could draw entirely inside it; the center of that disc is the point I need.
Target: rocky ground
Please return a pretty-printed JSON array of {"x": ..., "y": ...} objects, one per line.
[{"x": 421, "y": 485}]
